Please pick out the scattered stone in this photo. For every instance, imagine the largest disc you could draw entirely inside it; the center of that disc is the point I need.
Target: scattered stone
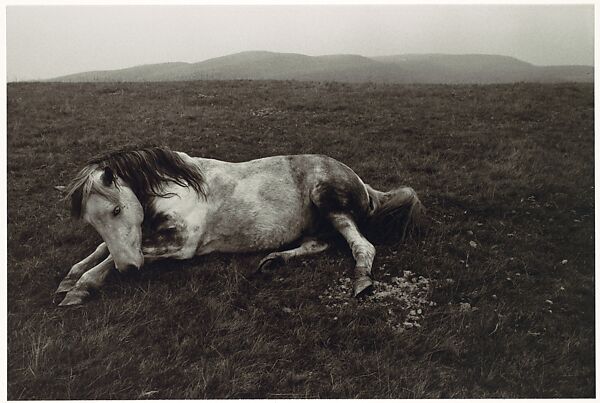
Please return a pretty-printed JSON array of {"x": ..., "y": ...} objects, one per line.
[
  {"x": 470, "y": 232},
  {"x": 264, "y": 112},
  {"x": 564, "y": 261},
  {"x": 466, "y": 307},
  {"x": 473, "y": 244},
  {"x": 403, "y": 299}
]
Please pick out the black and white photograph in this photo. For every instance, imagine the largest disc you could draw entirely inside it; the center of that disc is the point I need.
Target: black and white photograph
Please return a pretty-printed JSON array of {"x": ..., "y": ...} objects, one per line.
[{"x": 299, "y": 201}]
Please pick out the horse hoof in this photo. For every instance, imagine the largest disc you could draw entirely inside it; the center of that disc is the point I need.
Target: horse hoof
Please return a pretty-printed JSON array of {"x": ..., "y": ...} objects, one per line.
[
  {"x": 74, "y": 297},
  {"x": 363, "y": 286},
  {"x": 269, "y": 261},
  {"x": 65, "y": 286}
]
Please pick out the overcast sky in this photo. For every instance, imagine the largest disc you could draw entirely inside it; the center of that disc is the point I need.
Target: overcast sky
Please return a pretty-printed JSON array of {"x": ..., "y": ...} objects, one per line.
[{"x": 44, "y": 42}]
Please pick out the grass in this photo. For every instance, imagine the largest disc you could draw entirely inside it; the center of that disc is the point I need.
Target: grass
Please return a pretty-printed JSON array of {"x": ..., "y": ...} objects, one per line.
[{"x": 508, "y": 167}]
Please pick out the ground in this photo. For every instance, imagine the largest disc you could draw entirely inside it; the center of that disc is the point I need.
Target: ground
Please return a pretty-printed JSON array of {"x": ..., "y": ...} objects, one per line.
[{"x": 507, "y": 261}]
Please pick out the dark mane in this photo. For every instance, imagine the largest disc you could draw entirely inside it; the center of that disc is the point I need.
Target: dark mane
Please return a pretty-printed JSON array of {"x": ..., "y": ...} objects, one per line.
[{"x": 145, "y": 171}]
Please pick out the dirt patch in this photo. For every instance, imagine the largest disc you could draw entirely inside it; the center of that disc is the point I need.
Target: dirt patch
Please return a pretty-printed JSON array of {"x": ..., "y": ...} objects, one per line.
[{"x": 402, "y": 300}]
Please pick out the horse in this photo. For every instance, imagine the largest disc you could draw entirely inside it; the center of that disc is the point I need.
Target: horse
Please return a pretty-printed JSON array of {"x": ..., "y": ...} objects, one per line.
[{"x": 154, "y": 203}]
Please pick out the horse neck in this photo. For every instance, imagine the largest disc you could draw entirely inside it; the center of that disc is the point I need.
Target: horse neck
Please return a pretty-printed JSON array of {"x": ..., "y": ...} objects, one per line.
[{"x": 176, "y": 199}]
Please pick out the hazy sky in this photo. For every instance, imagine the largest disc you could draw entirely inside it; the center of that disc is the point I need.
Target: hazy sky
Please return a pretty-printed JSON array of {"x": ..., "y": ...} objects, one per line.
[{"x": 44, "y": 42}]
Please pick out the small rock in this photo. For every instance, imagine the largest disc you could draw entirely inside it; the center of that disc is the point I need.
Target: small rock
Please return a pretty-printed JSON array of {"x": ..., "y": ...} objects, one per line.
[
  {"x": 473, "y": 244},
  {"x": 564, "y": 261},
  {"x": 470, "y": 232},
  {"x": 549, "y": 302},
  {"x": 287, "y": 310}
]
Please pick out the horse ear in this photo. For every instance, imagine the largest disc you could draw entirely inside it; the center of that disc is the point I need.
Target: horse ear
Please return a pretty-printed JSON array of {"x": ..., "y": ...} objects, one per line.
[{"x": 108, "y": 177}]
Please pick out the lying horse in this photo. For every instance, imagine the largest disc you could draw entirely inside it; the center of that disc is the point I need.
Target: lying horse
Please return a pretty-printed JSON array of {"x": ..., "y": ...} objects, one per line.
[{"x": 155, "y": 203}]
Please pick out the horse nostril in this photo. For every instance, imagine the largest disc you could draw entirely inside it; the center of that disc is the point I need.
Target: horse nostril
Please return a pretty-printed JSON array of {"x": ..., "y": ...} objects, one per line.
[{"x": 131, "y": 267}]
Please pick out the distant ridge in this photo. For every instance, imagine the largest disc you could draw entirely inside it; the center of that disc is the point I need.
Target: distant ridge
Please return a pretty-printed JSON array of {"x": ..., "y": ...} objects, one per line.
[{"x": 408, "y": 69}]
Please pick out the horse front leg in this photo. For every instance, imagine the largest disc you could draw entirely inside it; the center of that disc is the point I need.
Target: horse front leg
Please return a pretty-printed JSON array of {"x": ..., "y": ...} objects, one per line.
[
  {"x": 80, "y": 268},
  {"x": 89, "y": 281}
]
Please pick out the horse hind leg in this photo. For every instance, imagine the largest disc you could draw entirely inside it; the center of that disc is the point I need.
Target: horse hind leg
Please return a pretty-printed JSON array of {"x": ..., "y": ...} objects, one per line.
[
  {"x": 362, "y": 251},
  {"x": 309, "y": 246}
]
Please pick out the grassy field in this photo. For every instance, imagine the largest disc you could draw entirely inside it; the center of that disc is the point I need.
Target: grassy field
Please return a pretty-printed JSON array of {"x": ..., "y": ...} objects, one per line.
[{"x": 506, "y": 173}]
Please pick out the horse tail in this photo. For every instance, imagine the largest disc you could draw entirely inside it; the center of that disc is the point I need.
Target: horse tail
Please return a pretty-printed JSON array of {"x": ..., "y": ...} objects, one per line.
[{"x": 394, "y": 215}]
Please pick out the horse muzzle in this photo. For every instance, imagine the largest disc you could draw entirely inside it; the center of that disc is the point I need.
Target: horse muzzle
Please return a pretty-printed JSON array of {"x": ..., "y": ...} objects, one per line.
[{"x": 134, "y": 263}]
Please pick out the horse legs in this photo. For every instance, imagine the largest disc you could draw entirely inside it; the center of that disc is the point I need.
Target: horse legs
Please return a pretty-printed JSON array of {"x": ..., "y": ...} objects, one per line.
[
  {"x": 78, "y": 269},
  {"x": 309, "y": 246},
  {"x": 362, "y": 250},
  {"x": 90, "y": 280}
]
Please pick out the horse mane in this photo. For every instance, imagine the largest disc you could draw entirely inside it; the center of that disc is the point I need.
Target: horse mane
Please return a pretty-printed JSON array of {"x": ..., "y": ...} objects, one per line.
[{"x": 144, "y": 170}]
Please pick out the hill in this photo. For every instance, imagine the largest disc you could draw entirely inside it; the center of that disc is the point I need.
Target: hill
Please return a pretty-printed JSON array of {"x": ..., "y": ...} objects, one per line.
[{"x": 406, "y": 69}]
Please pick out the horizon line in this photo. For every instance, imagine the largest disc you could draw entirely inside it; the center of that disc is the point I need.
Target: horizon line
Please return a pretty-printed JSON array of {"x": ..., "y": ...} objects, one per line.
[{"x": 13, "y": 80}]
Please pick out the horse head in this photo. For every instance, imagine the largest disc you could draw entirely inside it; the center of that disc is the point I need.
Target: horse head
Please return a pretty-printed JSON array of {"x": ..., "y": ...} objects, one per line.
[
  {"x": 113, "y": 193},
  {"x": 109, "y": 205}
]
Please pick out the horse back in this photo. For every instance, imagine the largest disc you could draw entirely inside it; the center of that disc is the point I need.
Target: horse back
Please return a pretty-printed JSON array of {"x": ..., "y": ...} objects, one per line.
[{"x": 273, "y": 201}]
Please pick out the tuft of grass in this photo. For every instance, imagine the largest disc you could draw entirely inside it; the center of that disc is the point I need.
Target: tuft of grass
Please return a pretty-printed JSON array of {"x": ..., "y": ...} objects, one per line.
[{"x": 507, "y": 168}]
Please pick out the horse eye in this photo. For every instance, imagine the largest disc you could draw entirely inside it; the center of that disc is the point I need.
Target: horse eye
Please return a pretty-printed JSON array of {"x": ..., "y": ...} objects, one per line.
[{"x": 116, "y": 211}]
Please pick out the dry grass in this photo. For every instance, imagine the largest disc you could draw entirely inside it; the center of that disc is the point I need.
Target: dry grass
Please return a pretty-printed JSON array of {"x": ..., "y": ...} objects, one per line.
[{"x": 506, "y": 168}]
